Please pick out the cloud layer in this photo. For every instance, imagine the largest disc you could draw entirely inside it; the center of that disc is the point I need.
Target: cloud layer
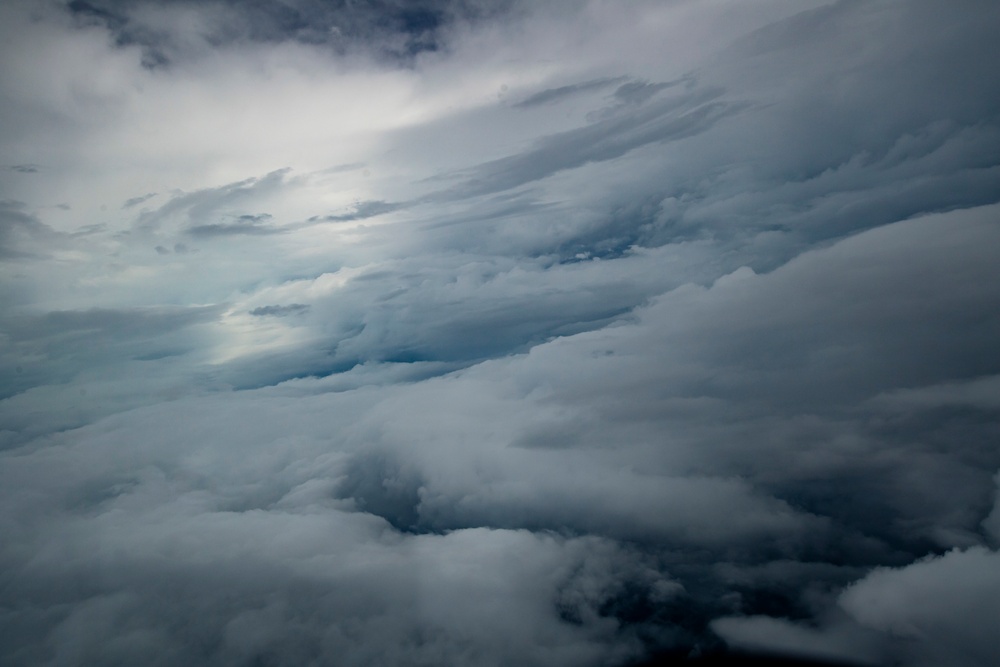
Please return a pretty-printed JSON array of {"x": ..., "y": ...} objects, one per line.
[{"x": 486, "y": 333}]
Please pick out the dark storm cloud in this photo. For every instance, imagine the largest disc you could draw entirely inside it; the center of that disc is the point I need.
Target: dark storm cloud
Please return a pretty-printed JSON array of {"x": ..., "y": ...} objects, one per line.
[
  {"x": 936, "y": 611},
  {"x": 822, "y": 155},
  {"x": 395, "y": 29},
  {"x": 823, "y": 340},
  {"x": 823, "y": 113},
  {"x": 924, "y": 483},
  {"x": 443, "y": 460},
  {"x": 25, "y": 168},
  {"x": 668, "y": 365}
]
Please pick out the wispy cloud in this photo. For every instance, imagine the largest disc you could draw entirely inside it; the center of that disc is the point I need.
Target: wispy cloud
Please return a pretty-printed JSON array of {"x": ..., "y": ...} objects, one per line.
[{"x": 562, "y": 93}]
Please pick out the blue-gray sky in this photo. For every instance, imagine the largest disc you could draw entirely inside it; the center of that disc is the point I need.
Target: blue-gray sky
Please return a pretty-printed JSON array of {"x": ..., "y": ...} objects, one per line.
[{"x": 458, "y": 332}]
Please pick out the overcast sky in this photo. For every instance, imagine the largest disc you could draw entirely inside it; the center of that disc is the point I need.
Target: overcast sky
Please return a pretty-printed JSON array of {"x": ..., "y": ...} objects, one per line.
[{"x": 495, "y": 332}]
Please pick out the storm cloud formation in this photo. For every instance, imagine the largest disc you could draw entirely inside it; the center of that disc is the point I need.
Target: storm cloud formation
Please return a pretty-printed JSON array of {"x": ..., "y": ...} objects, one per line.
[{"x": 490, "y": 333}]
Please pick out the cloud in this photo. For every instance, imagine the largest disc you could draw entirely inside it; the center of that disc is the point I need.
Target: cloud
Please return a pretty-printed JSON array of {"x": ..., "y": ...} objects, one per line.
[
  {"x": 843, "y": 644},
  {"x": 20, "y": 231},
  {"x": 364, "y": 210},
  {"x": 48, "y": 361},
  {"x": 491, "y": 465},
  {"x": 392, "y": 29},
  {"x": 669, "y": 120},
  {"x": 135, "y": 201},
  {"x": 248, "y": 225},
  {"x": 198, "y": 205},
  {"x": 469, "y": 333},
  {"x": 940, "y": 606},
  {"x": 284, "y": 596},
  {"x": 552, "y": 95},
  {"x": 935, "y": 611},
  {"x": 280, "y": 311}
]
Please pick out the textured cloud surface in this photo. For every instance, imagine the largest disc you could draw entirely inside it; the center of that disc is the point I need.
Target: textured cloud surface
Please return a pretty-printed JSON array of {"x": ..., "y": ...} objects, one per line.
[{"x": 495, "y": 333}]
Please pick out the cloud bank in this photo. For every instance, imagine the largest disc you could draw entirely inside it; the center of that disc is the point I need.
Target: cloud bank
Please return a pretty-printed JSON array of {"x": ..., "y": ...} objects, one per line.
[{"x": 461, "y": 333}]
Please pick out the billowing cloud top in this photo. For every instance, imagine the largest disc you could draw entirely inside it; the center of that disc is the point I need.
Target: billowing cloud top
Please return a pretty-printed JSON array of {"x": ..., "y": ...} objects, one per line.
[{"x": 494, "y": 333}]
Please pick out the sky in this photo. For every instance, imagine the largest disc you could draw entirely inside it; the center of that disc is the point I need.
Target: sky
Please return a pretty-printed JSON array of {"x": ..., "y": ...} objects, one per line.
[{"x": 470, "y": 332}]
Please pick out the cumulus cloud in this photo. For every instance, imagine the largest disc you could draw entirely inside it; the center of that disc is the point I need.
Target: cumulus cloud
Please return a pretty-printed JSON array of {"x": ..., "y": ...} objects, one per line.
[
  {"x": 488, "y": 333},
  {"x": 939, "y": 606}
]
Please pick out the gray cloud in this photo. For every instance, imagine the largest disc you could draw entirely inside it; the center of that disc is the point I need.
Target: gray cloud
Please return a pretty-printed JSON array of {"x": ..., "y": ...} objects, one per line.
[
  {"x": 21, "y": 233},
  {"x": 450, "y": 485},
  {"x": 362, "y": 211},
  {"x": 59, "y": 347},
  {"x": 135, "y": 201},
  {"x": 280, "y": 311},
  {"x": 245, "y": 225},
  {"x": 562, "y": 93},
  {"x": 694, "y": 324},
  {"x": 684, "y": 345},
  {"x": 389, "y": 28},
  {"x": 667, "y": 120},
  {"x": 200, "y": 205},
  {"x": 945, "y": 602}
]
